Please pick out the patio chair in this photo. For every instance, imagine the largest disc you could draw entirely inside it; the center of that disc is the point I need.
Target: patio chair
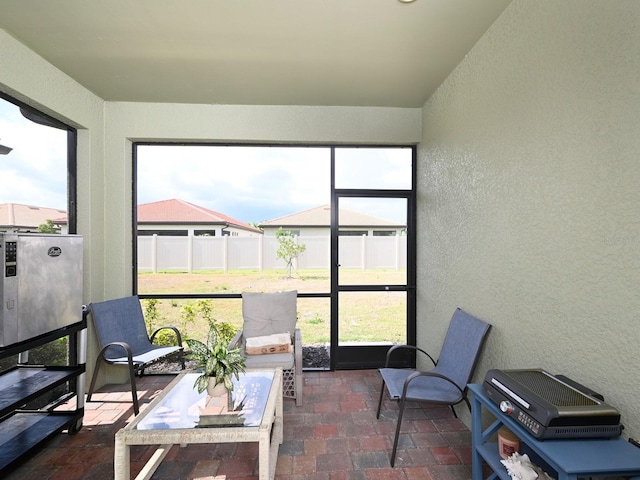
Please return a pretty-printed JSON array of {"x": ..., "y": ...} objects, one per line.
[
  {"x": 446, "y": 383},
  {"x": 122, "y": 335},
  {"x": 271, "y": 314}
]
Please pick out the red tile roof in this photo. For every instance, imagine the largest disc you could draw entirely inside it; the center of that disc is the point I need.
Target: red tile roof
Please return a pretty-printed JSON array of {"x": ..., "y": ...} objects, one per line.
[
  {"x": 14, "y": 216},
  {"x": 181, "y": 212}
]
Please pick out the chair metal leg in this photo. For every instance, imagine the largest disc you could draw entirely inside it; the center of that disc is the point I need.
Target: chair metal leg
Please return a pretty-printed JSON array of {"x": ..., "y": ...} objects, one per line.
[
  {"x": 380, "y": 401},
  {"x": 94, "y": 377},
  {"x": 397, "y": 437},
  {"x": 134, "y": 392},
  {"x": 400, "y": 414},
  {"x": 132, "y": 381}
]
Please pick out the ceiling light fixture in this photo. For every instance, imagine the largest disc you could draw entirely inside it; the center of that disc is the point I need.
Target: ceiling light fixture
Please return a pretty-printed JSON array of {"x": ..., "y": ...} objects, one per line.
[
  {"x": 5, "y": 150},
  {"x": 406, "y": 1}
]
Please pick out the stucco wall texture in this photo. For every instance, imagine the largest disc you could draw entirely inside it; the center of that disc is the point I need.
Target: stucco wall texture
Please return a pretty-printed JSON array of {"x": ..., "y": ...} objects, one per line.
[{"x": 529, "y": 196}]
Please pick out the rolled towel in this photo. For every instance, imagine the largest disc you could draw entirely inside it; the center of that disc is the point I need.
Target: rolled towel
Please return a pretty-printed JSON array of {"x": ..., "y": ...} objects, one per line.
[{"x": 276, "y": 343}]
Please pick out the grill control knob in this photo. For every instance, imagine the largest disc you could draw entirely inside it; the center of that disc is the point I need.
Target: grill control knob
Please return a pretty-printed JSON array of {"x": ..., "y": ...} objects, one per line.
[{"x": 506, "y": 407}]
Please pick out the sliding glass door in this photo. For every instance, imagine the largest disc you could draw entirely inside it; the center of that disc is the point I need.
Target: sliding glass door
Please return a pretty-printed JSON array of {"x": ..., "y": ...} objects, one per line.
[{"x": 373, "y": 246}]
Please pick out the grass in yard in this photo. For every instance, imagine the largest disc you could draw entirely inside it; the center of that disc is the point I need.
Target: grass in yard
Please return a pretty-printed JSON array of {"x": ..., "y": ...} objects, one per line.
[{"x": 364, "y": 316}]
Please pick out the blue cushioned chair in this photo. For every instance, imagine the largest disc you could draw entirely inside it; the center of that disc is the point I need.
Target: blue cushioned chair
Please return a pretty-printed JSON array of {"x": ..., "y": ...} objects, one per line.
[
  {"x": 446, "y": 383},
  {"x": 122, "y": 335}
]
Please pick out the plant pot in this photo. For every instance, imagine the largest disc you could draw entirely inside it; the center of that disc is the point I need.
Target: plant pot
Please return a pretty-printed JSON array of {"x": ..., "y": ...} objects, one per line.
[{"x": 216, "y": 389}]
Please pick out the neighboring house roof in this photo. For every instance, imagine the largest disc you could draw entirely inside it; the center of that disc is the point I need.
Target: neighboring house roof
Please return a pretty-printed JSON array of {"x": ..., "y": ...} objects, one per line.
[
  {"x": 321, "y": 217},
  {"x": 14, "y": 216},
  {"x": 177, "y": 211}
]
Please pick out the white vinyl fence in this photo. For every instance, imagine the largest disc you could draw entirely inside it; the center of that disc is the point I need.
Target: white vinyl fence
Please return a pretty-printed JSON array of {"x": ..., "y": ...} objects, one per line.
[{"x": 164, "y": 253}]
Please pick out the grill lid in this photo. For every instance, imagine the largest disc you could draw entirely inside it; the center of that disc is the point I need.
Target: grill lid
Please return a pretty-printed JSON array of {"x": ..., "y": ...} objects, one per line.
[{"x": 550, "y": 389}]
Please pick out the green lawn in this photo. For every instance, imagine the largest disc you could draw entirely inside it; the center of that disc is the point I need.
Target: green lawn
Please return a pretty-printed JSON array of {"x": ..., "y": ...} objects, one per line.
[{"x": 364, "y": 317}]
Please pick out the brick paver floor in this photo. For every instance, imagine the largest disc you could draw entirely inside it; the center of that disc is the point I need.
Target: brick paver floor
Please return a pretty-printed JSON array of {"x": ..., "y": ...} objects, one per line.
[{"x": 334, "y": 436}]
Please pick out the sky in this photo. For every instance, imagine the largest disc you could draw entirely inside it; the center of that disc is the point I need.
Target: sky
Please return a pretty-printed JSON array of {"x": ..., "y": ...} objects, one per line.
[
  {"x": 35, "y": 171},
  {"x": 249, "y": 183},
  {"x": 255, "y": 183}
]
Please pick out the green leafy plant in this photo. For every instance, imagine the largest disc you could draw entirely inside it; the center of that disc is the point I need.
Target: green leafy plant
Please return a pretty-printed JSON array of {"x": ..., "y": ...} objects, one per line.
[
  {"x": 203, "y": 310},
  {"x": 216, "y": 360},
  {"x": 152, "y": 318}
]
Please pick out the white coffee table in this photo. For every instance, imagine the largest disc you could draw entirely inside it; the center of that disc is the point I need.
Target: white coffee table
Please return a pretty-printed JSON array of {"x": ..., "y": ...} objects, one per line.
[{"x": 180, "y": 416}]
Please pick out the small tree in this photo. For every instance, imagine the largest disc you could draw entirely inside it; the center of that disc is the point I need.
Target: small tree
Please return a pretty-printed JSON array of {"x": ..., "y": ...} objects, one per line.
[
  {"x": 47, "y": 227},
  {"x": 289, "y": 249}
]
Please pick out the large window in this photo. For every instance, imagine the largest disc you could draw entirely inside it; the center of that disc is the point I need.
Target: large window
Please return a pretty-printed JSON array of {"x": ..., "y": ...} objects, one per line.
[
  {"x": 259, "y": 218},
  {"x": 38, "y": 170},
  {"x": 229, "y": 192}
]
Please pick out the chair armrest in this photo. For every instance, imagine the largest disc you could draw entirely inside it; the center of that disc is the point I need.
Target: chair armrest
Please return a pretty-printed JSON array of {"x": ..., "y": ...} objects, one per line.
[
  {"x": 406, "y": 347},
  {"x": 123, "y": 345},
  {"x": 415, "y": 375},
  {"x": 175, "y": 330},
  {"x": 236, "y": 341}
]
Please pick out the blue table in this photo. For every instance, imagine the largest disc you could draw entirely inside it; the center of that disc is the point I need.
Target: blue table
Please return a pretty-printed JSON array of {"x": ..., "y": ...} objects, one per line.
[{"x": 570, "y": 458}]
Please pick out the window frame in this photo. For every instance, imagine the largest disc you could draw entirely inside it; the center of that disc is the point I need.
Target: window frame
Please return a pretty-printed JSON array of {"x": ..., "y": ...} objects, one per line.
[{"x": 72, "y": 156}]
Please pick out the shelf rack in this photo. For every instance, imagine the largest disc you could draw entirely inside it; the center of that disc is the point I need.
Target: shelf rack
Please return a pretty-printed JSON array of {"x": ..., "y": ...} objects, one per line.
[
  {"x": 563, "y": 459},
  {"x": 23, "y": 428}
]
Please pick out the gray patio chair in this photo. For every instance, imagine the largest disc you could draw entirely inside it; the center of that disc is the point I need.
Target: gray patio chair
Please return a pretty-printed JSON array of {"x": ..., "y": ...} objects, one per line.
[
  {"x": 123, "y": 338},
  {"x": 268, "y": 314},
  {"x": 446, "y": 383}
]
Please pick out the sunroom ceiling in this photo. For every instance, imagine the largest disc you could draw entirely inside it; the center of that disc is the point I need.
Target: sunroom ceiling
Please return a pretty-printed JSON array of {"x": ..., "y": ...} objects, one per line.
[{"x": 254, "y": 52}]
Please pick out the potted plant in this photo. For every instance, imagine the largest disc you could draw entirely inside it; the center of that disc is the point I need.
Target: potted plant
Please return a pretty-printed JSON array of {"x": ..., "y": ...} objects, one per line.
[{"x": 219, "y": 364}]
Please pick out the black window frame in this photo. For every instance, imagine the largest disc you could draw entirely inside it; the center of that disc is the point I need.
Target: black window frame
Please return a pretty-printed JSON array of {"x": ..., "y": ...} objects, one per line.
[
  {"x": 411, "y": 232},
  {"x": 72, "y": 155},
  {"x": 332, "y": 148}
]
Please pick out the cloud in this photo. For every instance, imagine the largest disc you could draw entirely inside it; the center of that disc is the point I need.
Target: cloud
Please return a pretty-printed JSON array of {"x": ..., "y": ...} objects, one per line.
[
  {"x": 257, "y": 183},
  {"x": 383, "y": 168},
  {"x": 35, "y": 171},
  {"x": 249, "y": 183}
]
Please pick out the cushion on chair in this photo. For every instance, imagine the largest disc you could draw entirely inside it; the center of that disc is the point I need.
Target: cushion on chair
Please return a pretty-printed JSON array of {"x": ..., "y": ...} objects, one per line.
[
  {"x": 268, "y": 313},
  {"x": 152, "y": 355},
  {"x": 276, "y": 360},
  {"x": 435, "y": 389}
]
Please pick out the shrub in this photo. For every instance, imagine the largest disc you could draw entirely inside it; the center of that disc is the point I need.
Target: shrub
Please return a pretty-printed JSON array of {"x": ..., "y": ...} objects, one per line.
[{"x": 202, "y": 310}]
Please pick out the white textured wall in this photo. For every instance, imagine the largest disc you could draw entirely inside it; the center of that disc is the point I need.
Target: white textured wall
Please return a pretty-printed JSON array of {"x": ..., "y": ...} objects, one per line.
[{"x": 529, "y": 195}]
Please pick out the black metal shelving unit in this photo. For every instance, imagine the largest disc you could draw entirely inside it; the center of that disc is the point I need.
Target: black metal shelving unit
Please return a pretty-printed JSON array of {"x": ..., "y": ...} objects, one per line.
[{"x": 23, "y": 426}]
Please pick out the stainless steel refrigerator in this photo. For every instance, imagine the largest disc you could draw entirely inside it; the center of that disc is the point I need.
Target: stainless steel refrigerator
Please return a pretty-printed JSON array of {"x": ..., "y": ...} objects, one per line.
[
  {"x": 41, "y": 287},
  {"x": 41, "y": 295}
]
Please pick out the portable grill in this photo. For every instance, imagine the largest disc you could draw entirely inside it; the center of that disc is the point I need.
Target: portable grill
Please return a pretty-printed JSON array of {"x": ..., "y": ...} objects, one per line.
[{"x": 550, "y": 406}]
